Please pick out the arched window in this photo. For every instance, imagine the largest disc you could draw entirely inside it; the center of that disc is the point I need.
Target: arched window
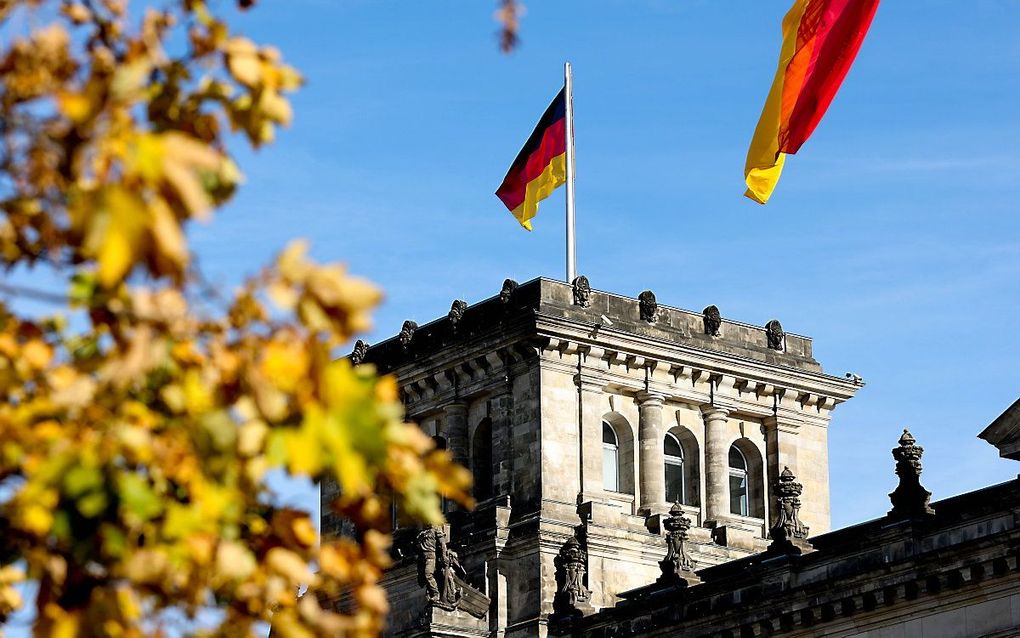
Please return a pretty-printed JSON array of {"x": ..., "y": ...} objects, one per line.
[
  {"x": 610, "y": 458},
  {"x": 481, "y": 460},
  {"x": 675, "y": 491},
  {"x": 738, "y": 483}
]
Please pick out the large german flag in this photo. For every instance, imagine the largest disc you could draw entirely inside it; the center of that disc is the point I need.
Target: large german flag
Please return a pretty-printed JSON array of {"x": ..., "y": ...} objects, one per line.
[
  {"x": 541, "y": 165},
  {"x": 820, "y": 41}
]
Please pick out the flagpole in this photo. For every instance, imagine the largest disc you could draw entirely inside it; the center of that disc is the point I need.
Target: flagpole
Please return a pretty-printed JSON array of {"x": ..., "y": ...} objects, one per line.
[{"x": 571, "y": 251}]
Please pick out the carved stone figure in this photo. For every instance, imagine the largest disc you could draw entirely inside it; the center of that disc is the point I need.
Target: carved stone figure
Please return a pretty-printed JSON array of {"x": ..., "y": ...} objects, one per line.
[
  {"x": 677, "y": 567},
  {"x": 438, "y": 568},
  {"x": 713, "y": 321},
  {"x": 788, "y": 525},
  {"x": 582, "y": 291},
  {"x": 774, "y": 333},
  {"x": 649, "y": 307},
  {"x": 407, "y": 333},
  {"x": 507, "y": 292},
  {"x": 359, "y": 352},
  {"x": 571, "y": 565},
  {"x": 909, "y": 499},
  {"x": 457, "y": 311}
]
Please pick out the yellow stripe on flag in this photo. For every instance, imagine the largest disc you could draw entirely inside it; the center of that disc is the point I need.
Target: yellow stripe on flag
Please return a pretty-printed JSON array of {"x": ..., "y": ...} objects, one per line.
[
  {"x": 554, "y": 175},
  {"x": 764, "y": 161}
]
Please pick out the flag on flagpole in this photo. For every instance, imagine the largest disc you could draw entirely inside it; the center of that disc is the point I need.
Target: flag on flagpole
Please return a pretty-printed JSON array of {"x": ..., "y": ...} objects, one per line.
[
  {"x": 820, "y": 41},
  {"x": 541, "y": 165}
]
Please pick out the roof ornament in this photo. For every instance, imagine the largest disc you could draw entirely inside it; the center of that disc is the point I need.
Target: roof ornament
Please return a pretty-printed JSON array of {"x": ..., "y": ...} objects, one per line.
[
  {"x": 712, "y": 320},
  {"x": 909, "y": 499},
  {"x": 582, "y": 291},
  {"x": 407, "y": 333},
  {"x": 649, "y": 307},
  {"x": 457, "y": 311},
  {"x": 571, "y": 567},
  {"x": 507, "y": 292},
  {"x": 677, "y": 567},
  {"x": 776, "y": 336},
  {"x": 359, "y": 353},
  {"x": 788, "y": 533}
]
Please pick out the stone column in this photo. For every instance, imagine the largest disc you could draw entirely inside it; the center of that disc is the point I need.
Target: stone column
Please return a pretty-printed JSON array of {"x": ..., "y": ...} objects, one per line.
[
  {"x": 717, "y": 475},
  {"x": 590, "y": 413},
  {"x": 456, "y": 431},
  {"x": 651, "y": 454}
]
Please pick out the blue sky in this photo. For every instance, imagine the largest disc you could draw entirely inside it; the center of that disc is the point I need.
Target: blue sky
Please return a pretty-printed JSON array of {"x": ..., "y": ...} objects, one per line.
[{"x": 893, "y": 238}]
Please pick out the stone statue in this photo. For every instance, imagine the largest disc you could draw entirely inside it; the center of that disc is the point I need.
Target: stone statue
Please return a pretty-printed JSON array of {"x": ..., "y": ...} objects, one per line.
[
  {"x": 507, "y": 292},
  {"x": 582, "y": 291},
  {"x": 677, "y": 567},
  {"x": 359, "y": 352},
  {"x": 571, "y": 568},
  {"x": 713, "y": 321},
  {"x": 788, "y": 525},
  {"x": 407, "y": 333},
  {"x": 438, "y": 567},
  {"x": 909, "y": 499},
  {"x": 774, "y": 333},
  {"x": 649, "y": 307},
  {"x": 457, "y": 311}
]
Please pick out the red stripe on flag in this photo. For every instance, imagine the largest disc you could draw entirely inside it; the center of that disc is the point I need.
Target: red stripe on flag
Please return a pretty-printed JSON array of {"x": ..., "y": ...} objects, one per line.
[{"x": 515, "y": 185}]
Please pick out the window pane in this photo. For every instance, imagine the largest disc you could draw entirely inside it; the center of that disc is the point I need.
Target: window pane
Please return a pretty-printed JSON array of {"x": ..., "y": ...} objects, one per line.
[
  {"x": 608, "y": 435},
  {"x": 737, "y": 459},
  {"x": 674, "y": 483},
  {"x": 738, "y": 493},
  {"x": 610, "y": 470},
  {"x": 672, "y": 446}
]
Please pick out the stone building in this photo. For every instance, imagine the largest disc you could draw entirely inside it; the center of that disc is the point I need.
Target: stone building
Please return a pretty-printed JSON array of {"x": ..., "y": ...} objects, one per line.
[{"x": 615, "y": 442}]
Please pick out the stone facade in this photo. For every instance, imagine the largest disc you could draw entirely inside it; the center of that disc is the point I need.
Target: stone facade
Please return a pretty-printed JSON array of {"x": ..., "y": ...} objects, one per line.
[{"x": 584, "y": 416}]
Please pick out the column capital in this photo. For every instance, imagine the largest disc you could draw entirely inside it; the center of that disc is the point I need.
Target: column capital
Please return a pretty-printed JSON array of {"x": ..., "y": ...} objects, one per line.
[
  {"x": 780, "y": 425},
  {"x": 711, "y": 412},
  {"x": 589, "y": 384},
  {"x": 456, "y": 408},
  {"x": 652, "y": 399}
]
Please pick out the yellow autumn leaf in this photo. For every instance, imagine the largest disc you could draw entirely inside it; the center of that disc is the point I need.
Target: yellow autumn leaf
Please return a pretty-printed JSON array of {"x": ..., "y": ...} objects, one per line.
[
  {"x": 115, "y": 232},
  {"x": 169, "y": 239}
]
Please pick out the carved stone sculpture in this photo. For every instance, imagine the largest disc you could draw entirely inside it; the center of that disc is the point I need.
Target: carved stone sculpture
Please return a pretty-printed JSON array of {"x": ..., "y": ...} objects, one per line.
[
  {"x": 582, "y": 291},
  {"x": 789, "y": 534},
  {"x": 909, "y": 499},
  {"x": 649, "y": 307},
  {"x": 438, "y": 567},
  {"x": 507, "y": 292},
  {"x": 457, "y": 311},
  {"x": 407, "y": 333},
  {"x": 359, "y": 352},
  {"x": 571, "y": 566},
  {"x": 677, "y": 567},
  {"x": 713, "y": 321},
  {"x": 788, "y": 525},
  {"x": 774, "y": 333}
]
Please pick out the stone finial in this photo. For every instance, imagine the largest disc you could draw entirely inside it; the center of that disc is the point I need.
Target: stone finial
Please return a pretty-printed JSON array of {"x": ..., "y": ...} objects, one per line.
[
  {"x": 582, "y": 291},
  {"x": 407, "y": 333},
  {"x": 712, "y": 320},
  {"x": 789, "y": 534},
  {"x": 649, "y": 307},
  {"x": 457, "y": 311},
  {"x": 776, "y": 336},
  {"x": 571, "y": 566},
  {"x": 788, "y": 524},
  {"x": 507, "y": 292},
  {"x": 359, "y": 353},
  {"x": 909, "y": 499},
  {"x": 677, "y": 567}
]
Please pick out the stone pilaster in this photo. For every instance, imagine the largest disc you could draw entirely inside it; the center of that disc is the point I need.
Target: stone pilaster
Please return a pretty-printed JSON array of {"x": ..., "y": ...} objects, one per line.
[
  {"x": 717, "y": 481},
  {"x": 456, "y": 431},
  {"x": 590, "y": 412},
  {"x": 780, "y": 452},
  {"x": 651, "y": 453},
  {"x": 504, "y": 452}
]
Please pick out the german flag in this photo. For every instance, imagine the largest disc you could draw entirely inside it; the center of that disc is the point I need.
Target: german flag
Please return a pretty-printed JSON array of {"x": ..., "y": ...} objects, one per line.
[
  {"x": 541, "y": 165},
  {"x": 820, "y": 41}
]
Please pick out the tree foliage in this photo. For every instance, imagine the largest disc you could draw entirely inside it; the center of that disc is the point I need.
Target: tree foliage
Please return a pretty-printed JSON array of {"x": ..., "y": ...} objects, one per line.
[{"x": 139, "y": 422}]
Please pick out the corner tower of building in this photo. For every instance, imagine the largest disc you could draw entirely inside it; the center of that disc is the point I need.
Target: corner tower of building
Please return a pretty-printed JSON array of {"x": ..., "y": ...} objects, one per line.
[{"x": 583, "y": 416}]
